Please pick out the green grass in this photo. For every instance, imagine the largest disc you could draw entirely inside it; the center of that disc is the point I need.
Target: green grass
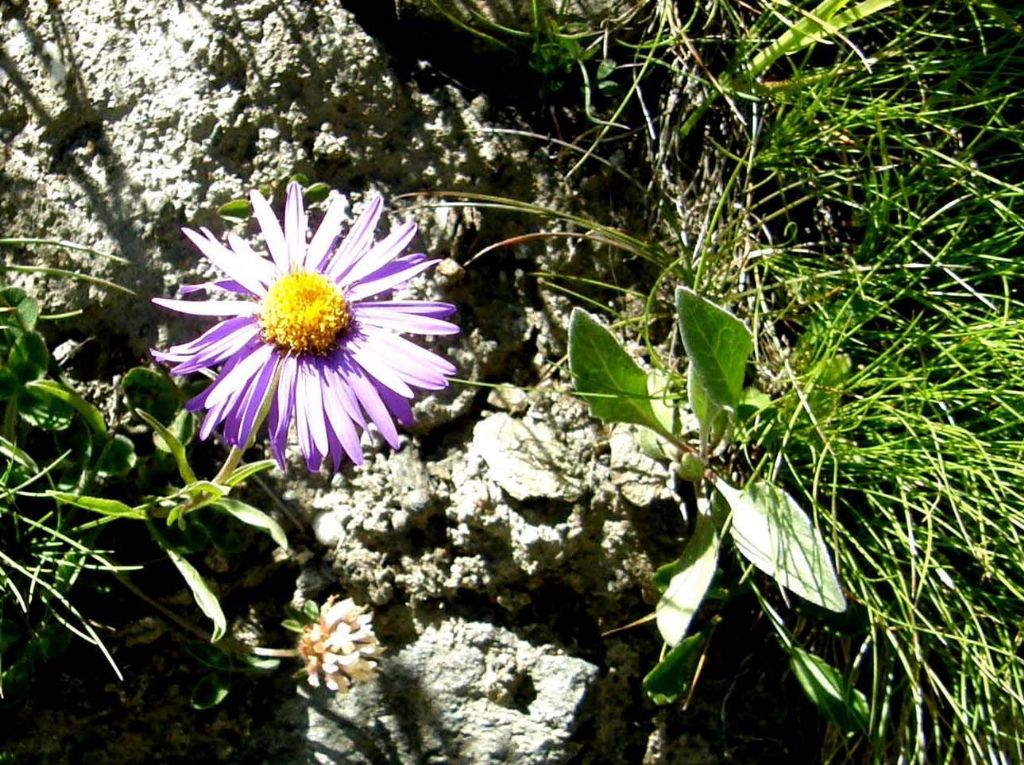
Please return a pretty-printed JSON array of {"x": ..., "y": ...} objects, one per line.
[
  {"x": 915, "y": 454},
  {"x": 858, "y": 203}
]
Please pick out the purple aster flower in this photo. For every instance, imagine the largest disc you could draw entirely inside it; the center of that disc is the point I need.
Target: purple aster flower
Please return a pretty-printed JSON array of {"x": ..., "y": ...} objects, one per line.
[{"x": 312, "y": 327}]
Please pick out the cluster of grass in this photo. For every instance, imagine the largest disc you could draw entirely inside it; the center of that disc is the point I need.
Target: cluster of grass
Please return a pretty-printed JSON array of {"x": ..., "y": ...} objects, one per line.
[
  {"x": 853, "y": 196},
  {"x": 916, "y": 451}
]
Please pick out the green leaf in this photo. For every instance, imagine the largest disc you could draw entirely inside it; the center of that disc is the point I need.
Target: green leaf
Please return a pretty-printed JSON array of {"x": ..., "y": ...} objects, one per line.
[
  {"x": 153, "y": 392},
  {"x": 673, "y": 675},
  {"x": 605, "y": 376},
  {"x": 43, "y": 411},
  {"x": 686, "y": 590},
  {"x": 17, "y": 309},
  {"x": 236, "y": 209},
  {"x": 171, "y": 444},
  {"x": 317, "y": 192},
  {"x": 117, "y": 457},
  {"x": 776, "y": 535},
  {"x": 253, "y": 517},
  {"x": 202, "y": 593},
  {"x": 717, "y": 345},
  {"x": 210, "y": 691},
  {"x": 10, "y": 451},
  {"x": 28, "y": 357},
  {"x": 845, "y": 706},
  {"x": 713, "y": 419},
  {"x": 92, "y": 416},
  {"x": 240, "y": 474},
  {"x": 111, "y": 507}
]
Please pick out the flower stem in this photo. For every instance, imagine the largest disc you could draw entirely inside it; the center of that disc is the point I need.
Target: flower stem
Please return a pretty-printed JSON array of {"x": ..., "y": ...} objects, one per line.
[{"x": 234, "y": 457}]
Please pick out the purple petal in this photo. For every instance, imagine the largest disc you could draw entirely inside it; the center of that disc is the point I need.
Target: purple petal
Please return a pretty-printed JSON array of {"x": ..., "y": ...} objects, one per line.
[
  {"x": 231, "y": 386},
  {"x": 372, "y": 402},
  {"x": 382, "y": 253},
  {"x": 398, "y": 406},
  {"x": 224, "y": 284},
  {"x": 216, "y": 352},
  {"x": 218, "y": 331},
  {"x": 326, "y": 234},
  {"x": 249, "y": 409},
  {"x": 356, "y": 242},
  {"x": 385, "y": 317},
  {"x": 236, "y": 265},
  {"x": 265, "y": 270},
  {"x": 271, "y": 229},
  {"x": 309, "y": 405},
  {"x": 341, "y": 425},
  {"x": 210, "y": 307},
  {"x": 295, "y": 225},
  {"x": 430, "y": 308},
  {"x": 387, "y": 278},
  {"x": 280, "y": 417},
  {"x": 380, "y": 371}
]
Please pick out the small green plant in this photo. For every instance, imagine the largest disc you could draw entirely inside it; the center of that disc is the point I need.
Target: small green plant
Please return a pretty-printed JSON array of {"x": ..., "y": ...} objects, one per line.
[{"x": 766, "y": 525}]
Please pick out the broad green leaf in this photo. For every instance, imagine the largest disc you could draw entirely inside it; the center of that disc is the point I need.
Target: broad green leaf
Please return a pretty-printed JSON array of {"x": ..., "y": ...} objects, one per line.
[
  {"x": 10, "y": 385},
  {"x": 153, "y": 392},
  {"x": 28, "y": 357},
  {"x": 17, "y": 309},
  {"x": 100, "y": 505},
  {"x": 202, "y": 593},
  {"x": 686, "y": 590},
  {"x": 171, "y": 444},
  {"x": 717, "y": 345},
  {"x": 210, "y": 691},
  {"x": 605, "y": 376},
  {"x": 673, "y": 675},
  {"x": 43, "y": 411},
  {"x": 776, "y": 535},
  {"x": 845, "y": 706},
  {"x": 253, "y": 517},
  {"x": 236, "y": 209},
  {"x": 117, "y": 457},
  {"x": 92, "y": 416}
]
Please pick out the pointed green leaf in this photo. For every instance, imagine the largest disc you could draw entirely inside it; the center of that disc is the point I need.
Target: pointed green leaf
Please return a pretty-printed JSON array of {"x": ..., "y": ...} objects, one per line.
[
  {"x": 202, "y": 593},
  {"x": 686, "y": 590},
  {"x": 253, "y": 517},
  {"x": 845, "y": 706},
  {"x": 111, "y": 507},
  {"x": 236, "y": 209},
  {"x": 673, "y": 675},
  {"x": 92, "y": 416},
  {"x": 717, "y": 345},
  {"x": 316, "y": 192},
  {"x": 776, "y": 535},
  {"x": 243, "y": 472},
  {"x": 171, "y": 444},
  {"x": 210, "y": 691},
  {"x": 605, "y": 376}
]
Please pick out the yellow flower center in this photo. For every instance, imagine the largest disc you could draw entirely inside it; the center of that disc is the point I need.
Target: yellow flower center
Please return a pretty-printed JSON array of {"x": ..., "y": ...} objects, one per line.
[{"x": 304, "y": 313}]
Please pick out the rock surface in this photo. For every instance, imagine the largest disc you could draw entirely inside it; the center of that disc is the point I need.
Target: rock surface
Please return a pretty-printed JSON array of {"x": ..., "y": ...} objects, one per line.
[
  {"x": 507, "y": 534},
  {"x": 463, "y": 692}
]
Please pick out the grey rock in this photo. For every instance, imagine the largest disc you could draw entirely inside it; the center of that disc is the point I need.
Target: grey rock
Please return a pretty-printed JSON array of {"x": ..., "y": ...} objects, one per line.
[
  {"x": 463, "y": 692},
  {"x": 525, "y": 459}
]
